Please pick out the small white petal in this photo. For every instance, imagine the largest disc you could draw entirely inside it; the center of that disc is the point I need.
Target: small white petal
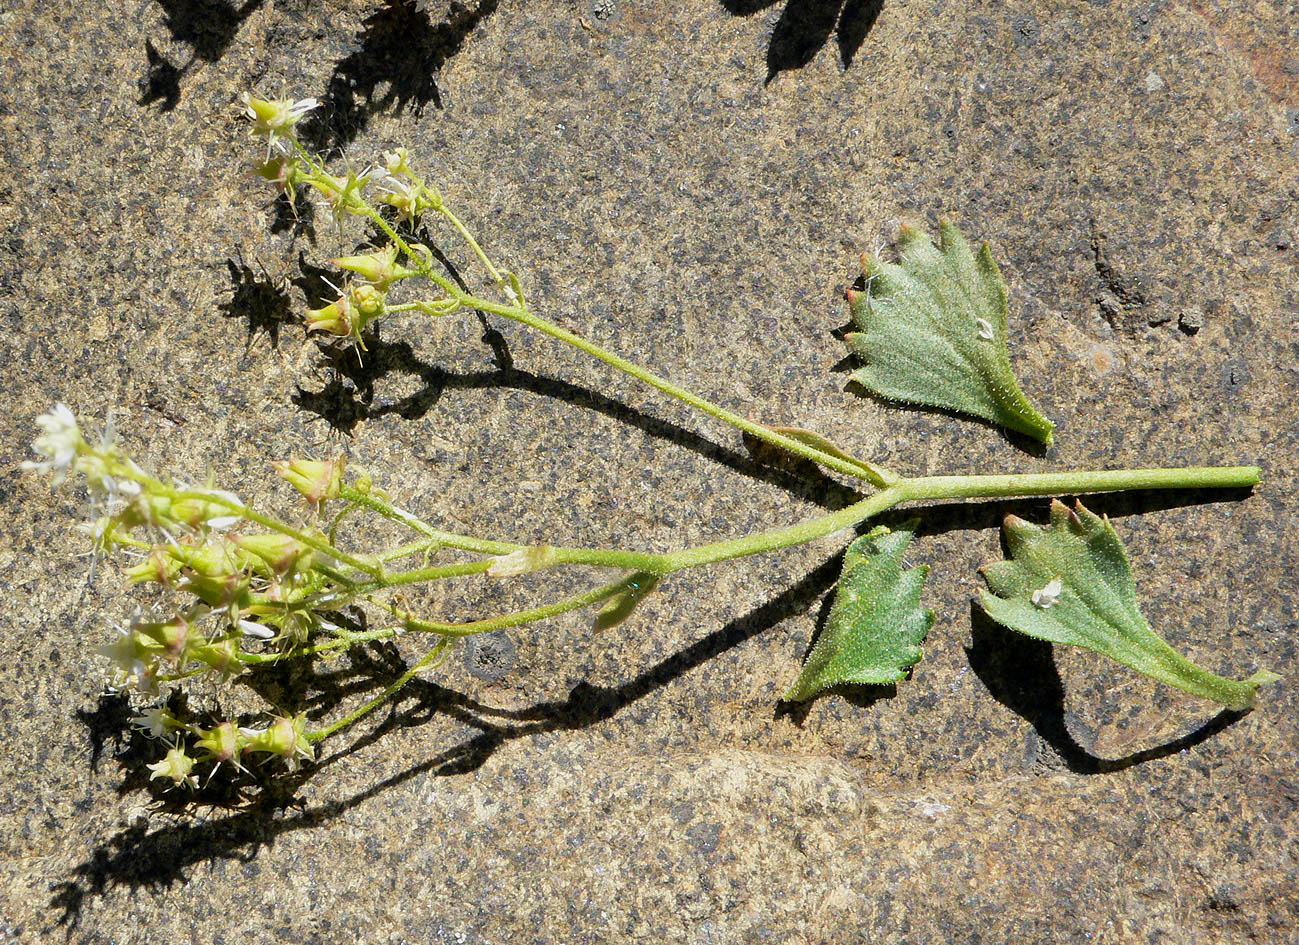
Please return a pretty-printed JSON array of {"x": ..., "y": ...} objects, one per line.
[
  {"x": 252, "y": 628},
  {"x": 985, "y": 329},
  {"x": 1049, "y": 595}
]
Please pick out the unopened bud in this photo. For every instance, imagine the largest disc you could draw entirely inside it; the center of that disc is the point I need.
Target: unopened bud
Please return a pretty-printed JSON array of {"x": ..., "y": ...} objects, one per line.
[
  {"x": 222, "y": 742},
  {"x": 379, "y": 267},
  {"x": 368, "y": 302},
  {"x": 159, "y": 568},
  {"x": 286, "y": 738},
  {"x": 172, "y": 635},
  {"x": 284, "y": 171},
  {"x": 280, "y": 553},
  {"x": 316, "y": 479},
  {"x": 220, "y": 655},
  {"x": 335, "y": 318}
]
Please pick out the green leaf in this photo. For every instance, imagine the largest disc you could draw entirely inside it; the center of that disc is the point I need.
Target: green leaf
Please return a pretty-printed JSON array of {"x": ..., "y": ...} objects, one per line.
[
  {"x": 876, "y": 624},
  {"x": 932, "y": 330},
  {"x": 1070, "y": 583}
]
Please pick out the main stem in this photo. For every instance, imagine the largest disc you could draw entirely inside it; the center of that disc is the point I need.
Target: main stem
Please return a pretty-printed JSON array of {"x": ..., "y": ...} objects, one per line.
[{"x": 920, "y": 489}]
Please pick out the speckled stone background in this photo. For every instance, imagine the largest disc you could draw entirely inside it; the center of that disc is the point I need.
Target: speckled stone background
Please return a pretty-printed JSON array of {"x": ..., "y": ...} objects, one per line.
[{"x": 690, "y": 184}]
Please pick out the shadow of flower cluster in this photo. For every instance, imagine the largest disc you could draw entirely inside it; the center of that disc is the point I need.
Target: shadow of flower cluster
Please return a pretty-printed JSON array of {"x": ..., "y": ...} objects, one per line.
[{"x": 805, "y": 26}]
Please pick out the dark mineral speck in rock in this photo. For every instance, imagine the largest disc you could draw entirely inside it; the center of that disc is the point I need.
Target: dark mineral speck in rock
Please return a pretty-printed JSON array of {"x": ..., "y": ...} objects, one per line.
[
  {"x": 1027, "y": 29},
  {"x": 490, "y": 656},
  {"x": 1235, "y": 375},
  {"x": 704, "y": 836}
]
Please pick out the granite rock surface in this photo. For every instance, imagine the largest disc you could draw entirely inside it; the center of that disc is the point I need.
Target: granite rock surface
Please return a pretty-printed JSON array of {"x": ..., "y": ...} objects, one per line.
[{"x": 691, "y": 185}]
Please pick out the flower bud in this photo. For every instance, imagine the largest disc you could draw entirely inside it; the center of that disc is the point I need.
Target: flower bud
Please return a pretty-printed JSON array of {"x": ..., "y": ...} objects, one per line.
[
  {"x": 159, "y": 568},
  {"x": 284, "y": 171},
  {"x": 172, "y": 635},
  {"x": 379, "y": 267},
  {"x": 209, "y": 559},
  {"x": 220, "y": 655},
  {"x": 335, "y": 318},
  {"x": 280, "y": 553},
  {"x": 316, "y": 479},
  {"x": 217, "y": 591},
  {"x": 222, "y": 742},
  {"x": 522, "y": 561},
  {"x": 368, "y": 302},
  {"x": 286, "y": 738}
]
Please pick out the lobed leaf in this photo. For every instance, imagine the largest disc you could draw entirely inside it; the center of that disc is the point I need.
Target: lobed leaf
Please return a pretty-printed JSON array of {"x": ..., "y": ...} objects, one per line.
[
  {"x": 876, "y": 625},
  {"x": 932, "y": 331},
  {"x": 1070, "y": 583}
]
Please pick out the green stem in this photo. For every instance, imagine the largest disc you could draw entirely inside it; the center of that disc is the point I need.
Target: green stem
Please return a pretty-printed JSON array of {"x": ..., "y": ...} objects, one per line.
[
  {"x": 856, "y": 469},
  {"x": 428, "y": 659},
  {"x": 518, "y": 618},
  {"x": 924, "y": 488},
  {"x": 438, "y": 536},
  {"x": 448, "y": 632},
  {"x": 1074, "y": 483},
  {"x": 473, "y": 243},
  {"x": 911, "y": 490},
  {"x": 343, "y": 640}
]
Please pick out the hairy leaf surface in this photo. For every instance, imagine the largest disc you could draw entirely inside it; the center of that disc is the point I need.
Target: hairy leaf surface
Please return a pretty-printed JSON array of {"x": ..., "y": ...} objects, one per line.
[
  {"x": 932, "y": 331},
  {"x": 1070, "y": 582},
  {"x": 876, "y": 624}
]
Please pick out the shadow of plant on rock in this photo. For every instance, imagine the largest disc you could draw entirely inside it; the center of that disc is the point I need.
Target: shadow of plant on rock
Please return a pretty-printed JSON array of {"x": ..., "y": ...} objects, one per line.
[
  {"x": 1020, "y": 672},
  {"x": 208, "y": 27},
  {"x": 395, "y": 68},
  {"x": 805, "y": 26},
  {"x": 144, "y": 856}
]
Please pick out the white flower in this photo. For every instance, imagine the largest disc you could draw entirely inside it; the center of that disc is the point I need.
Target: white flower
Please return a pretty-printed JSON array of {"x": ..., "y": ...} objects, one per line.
[
  {"x": 177, "y": 766},
  {"x": 59, "y": 441},
  {"x": 153, "y": 722}
]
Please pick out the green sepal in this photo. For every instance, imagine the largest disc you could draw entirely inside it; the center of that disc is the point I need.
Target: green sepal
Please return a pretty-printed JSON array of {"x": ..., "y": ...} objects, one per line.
[
  {"x": 932, "y": 331},
  {"x": 876, "y": 624},
  {"x": 1070, "y": 583},
  {"x": 622, "y": 604}
]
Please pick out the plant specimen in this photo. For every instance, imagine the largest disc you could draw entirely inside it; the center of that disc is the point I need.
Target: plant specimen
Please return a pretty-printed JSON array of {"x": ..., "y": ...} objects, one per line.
[{"x": 247, "y": 588}]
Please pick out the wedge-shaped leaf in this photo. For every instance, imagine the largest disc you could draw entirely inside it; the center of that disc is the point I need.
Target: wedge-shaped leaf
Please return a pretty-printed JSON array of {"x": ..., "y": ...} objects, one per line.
[
  {"x": 1070, "y": 582},
  {"x": 876, "y": 624},
  {"x": 932, "y": 330}
]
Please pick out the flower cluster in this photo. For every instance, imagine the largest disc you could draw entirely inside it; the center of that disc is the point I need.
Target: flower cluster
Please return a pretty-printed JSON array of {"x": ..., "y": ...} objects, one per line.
[
  {"x": 224, "y": 743},
  {"x": 363, "y": 297},
  {"x": 243, "y": 585},
  {"x": 401, "y": 188}
]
